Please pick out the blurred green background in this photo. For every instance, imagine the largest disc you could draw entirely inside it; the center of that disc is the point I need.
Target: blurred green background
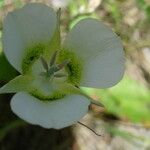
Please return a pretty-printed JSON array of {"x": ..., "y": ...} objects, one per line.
[{"x": 125, "y": 120}]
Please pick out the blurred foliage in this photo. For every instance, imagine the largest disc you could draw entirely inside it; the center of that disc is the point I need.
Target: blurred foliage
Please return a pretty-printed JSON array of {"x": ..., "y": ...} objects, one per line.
[
  {"x": 7, "y": 72},
  {"x": 145, "y": 6},
  {"x": 1, "y": 3},
  {"x": 128, "y": 100},
  {"x": 11, "y": 126},
  {"x": 114, "y": 131}
]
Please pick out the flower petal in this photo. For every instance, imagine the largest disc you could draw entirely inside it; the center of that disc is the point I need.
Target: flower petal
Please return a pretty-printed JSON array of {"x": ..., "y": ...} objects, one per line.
[
  {"x": 100, "y": 50},
  {"x": 53, "y": 114},
  {"x": 33, "y": 24}
]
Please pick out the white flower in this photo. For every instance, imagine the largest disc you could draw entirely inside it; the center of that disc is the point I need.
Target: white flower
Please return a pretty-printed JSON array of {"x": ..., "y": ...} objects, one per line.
[{"x": 91, "y": 55}]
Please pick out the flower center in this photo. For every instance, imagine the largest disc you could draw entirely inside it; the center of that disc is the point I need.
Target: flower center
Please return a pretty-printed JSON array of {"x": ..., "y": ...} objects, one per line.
[
  {"x": 52, "y": 69},
  {"x": 50, "y": 76}
]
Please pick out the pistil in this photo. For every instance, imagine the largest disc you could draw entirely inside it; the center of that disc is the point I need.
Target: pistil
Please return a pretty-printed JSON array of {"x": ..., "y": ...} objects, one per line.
[{"x": 52, "y": 69}]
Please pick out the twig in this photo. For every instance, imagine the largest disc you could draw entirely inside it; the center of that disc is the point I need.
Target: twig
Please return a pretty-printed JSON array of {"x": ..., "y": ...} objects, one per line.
[{"x": 89, "y": 128}]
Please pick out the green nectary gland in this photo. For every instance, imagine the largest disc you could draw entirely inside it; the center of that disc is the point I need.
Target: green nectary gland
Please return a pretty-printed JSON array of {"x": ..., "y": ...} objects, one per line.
[
  {"x": 33, "y": 53},
  {"x": 74, "y": 69},
  {"x": 55, "y": 96}
]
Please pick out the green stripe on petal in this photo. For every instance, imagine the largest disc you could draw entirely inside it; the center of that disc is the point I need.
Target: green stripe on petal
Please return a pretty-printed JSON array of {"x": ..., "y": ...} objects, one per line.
[
  {"x": 32, "y": 54},
  {"x": 100, "y": 50},
  {"x": 74, "y": 67},
  {"x": 54, "y": 114}
]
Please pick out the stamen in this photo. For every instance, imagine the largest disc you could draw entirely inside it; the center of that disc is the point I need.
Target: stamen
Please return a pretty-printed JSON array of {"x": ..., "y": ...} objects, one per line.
[
  {"x": 53, "y": 58},
  {"x": 44, "y": 63},
  {"x": 62, "y": 65},
  {"x": 53, "y": 68}
]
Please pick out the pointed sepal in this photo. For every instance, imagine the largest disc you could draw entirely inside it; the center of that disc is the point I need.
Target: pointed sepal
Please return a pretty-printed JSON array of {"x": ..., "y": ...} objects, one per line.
[{"x": 18, "y": 84}]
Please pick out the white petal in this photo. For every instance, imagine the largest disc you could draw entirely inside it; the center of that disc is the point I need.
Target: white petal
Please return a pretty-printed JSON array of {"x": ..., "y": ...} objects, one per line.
[
  {"x": 55, "y": 114},
  {"x": 101, "y": 52},
  {"x": 22, "y": 28}
]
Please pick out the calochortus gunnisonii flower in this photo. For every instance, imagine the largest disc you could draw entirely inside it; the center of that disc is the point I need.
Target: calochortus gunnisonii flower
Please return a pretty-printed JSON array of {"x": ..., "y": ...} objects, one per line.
[{"x": 48, "y": 90}]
